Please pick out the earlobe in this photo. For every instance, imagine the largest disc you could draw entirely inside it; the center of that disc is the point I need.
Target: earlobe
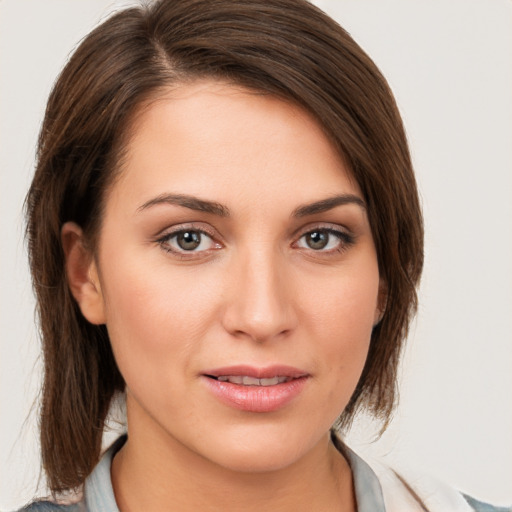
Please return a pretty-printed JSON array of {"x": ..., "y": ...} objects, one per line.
[
  {"x": 82, "y": 274},
  {"x": 382, "y": 301}
]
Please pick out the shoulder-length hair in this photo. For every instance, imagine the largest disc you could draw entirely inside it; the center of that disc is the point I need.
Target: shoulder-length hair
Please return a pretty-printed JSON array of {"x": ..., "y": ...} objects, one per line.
[{"x": 286, "y": 48}]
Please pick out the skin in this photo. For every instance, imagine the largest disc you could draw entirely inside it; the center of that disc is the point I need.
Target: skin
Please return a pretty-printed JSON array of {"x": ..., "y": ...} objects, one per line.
[{"x": 254, "y": 292}]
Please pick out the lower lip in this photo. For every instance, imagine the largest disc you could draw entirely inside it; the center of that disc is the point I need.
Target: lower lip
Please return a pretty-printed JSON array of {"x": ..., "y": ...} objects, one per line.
[{"x": 256, "y": 398}]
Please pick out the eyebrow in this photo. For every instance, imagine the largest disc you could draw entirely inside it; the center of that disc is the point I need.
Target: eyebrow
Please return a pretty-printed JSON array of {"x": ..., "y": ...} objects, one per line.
[
  {"x": 325, "y": 205},
  {"x": 191, "y": 202},
  {"x": 203, "y": 205}
]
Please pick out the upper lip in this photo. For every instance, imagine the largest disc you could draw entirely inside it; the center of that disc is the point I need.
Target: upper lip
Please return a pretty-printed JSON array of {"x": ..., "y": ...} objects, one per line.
[{"x": 266, "y": 372}]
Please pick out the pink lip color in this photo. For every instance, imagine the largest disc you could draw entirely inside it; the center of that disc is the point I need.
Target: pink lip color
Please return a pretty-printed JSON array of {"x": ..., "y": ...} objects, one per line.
[{"x": 256, "y": 398}]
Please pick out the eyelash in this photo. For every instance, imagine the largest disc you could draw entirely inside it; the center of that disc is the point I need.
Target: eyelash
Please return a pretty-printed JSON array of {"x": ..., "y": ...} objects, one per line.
[
  {"x": 164, "y": 242},
  {"x": 345, "y": 239}
]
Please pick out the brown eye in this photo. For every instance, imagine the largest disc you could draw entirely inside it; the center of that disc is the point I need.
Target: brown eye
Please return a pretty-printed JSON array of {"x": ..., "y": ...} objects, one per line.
[
  {"x": 325, "y": 240},
  {"x": 188, "y": 240},
  {"x": 317, "y": 239}
]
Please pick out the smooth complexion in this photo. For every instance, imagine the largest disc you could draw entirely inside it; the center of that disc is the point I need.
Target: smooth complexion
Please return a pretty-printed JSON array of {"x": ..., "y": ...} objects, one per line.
[{"x": 234, "y": 244}]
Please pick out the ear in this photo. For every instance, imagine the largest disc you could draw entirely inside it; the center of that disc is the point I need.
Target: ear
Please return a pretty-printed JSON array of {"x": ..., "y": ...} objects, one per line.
[
  {"x": 382, "y": 302},
  {"x": 82, "y": 274}
]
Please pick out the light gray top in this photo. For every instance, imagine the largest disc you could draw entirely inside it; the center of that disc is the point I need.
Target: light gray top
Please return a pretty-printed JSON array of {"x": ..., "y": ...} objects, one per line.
[{"x": 99, "y": 494}]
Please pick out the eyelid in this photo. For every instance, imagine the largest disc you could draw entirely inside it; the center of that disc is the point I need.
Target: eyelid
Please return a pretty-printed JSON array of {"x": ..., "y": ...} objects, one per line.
[
  {"x": 327, "y": 226},
  {"x": 191, "y": 226},
  {"x": 346, "y": 236},
  {"x": 165, "y": 235}
]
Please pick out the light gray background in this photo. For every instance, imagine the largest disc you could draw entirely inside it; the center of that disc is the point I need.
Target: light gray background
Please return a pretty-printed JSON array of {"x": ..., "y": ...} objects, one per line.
[{"x": 450, "y": 65}]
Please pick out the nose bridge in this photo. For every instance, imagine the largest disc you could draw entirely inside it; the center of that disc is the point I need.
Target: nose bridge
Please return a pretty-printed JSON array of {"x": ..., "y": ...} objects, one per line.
[{"x": 260, "y": 306}]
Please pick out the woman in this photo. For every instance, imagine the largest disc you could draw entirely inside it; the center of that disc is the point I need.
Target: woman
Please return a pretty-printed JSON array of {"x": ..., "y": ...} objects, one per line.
[{"x": 224, "y": 225}]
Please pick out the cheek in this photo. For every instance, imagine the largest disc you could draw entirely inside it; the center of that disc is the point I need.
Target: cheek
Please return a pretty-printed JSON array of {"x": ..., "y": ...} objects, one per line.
[
  {"x": 155, "y": 313},
  {"x": 341, "y": 316},
  {"x": 346, "y": 300}
]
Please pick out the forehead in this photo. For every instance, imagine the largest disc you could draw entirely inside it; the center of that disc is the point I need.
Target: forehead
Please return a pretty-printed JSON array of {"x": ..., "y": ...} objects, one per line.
[{"x": 211, "y": 137}]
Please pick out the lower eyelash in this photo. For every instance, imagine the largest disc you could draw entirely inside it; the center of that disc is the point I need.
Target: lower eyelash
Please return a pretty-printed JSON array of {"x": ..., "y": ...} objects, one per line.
[
  {"x": 346, "y": 240},
  {"x": 163, "y": 241}
]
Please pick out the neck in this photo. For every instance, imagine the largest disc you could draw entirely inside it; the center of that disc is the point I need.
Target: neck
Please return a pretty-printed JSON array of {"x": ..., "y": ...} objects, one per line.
[{"x": 154, "y": 472}]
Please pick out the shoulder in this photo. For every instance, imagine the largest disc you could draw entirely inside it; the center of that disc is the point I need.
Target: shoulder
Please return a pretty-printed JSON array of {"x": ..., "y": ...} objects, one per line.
[
  {"x": 70, "y": 502},
  {"x": 480, "y": 506},
  {"x": 434, "y": 495},
  {"x": 406, "y": 490},
  {"x": 97, "y": 493},
  {"x": 50, "y": 506}
]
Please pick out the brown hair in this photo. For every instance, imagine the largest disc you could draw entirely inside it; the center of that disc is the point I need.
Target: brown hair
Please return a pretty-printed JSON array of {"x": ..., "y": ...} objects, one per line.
[{"x": 287, "y": 48}]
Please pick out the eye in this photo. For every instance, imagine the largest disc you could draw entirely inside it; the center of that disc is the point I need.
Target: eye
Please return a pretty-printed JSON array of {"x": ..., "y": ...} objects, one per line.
[
  {"x": 325, "y": 240},
  {"x": 188, "y": 240}
]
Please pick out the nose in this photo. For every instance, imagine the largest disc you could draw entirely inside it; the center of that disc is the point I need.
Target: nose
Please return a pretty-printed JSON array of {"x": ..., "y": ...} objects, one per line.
[{"x": 260, "y": 304}]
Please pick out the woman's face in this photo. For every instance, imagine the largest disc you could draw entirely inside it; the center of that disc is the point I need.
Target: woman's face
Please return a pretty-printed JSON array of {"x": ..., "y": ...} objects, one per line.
[{"x": 237, "y": 276}]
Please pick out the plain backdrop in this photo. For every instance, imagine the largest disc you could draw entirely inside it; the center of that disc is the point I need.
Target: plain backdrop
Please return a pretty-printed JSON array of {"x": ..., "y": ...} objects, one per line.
[{"x": 449, "y": 63}]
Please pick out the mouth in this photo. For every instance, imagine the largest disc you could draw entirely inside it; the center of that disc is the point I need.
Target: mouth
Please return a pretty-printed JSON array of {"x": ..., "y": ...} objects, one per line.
[
  {"x": 256, "y": 389},
  {"x": 246, "y": 380},
  {"x": 245, "y": 375}
]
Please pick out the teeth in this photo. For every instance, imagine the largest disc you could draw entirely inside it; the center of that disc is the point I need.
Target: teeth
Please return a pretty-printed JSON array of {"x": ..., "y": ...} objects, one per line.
[
  {"x": 252, "y": 381},
  {"x": 234, "y": 379},
  {"x": 269, "y": 382}
]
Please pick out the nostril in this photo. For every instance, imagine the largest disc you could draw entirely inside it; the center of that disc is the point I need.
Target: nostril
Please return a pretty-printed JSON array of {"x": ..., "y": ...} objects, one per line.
[{"x": 259, "y": 303}]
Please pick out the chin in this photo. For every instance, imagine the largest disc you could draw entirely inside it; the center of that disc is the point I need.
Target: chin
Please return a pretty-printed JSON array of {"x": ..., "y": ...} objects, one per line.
[
  {"x": 258, "y": 461},
  {"x": 261, "y": 451}
]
